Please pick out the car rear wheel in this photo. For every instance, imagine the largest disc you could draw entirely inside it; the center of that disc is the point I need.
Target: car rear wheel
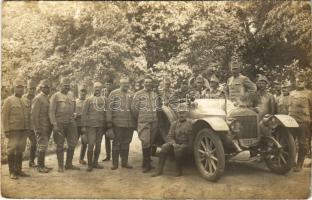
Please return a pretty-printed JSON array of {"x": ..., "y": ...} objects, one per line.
[
  {"x": 281, "y": 160},
  {"x": 209, "y": 154}
]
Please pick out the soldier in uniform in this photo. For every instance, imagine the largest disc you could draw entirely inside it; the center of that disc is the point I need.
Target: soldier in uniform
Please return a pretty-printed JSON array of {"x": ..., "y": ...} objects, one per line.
[
  {"x": 78, "y": 111},
  {"x": 144, "y": 108},
  {"x": 61, "y": 113},
  {"x": 300, "y": 107},
  {"x": 16, "y": 126},
  {"x": 120, "y": 119},
  {"x": 27, "y": 100},
  {"x": 41, "y": 123},
  {"x": 239, "y": 85},
  {"x": 214, "y": 92},
  {"x": 265, "y": 101},
  {"x": 192, "y": 80},
  {"x": 180, "y": 138},
  {"x": 94, "y": 125},
  {"x": 282, "y": 101},
  {"x": 108, "y": 146},
  {"x": 199, "y": 90},
  {"x": 166, "y": 92}
]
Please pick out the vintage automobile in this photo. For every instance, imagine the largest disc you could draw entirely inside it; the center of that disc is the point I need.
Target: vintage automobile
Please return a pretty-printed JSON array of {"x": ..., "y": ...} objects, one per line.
[{"x": 222, "y": 131}]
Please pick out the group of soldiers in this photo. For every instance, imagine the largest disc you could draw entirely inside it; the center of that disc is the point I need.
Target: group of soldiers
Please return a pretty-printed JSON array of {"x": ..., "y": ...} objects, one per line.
[{"x": 118, "y": 113}]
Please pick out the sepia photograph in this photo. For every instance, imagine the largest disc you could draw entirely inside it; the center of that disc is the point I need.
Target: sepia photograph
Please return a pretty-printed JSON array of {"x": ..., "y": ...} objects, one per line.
[{"x": 156, "y": 99}]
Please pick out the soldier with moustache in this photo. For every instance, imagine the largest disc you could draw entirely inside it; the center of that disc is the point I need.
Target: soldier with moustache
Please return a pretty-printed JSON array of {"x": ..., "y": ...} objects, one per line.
[
  {"x": 27, "y": 100},
  {"x": 121, "y": 121},
  {"x": 16, "y": 126},
  {"x": 41, "y": 123},
  {"x": 61, "y": 113}
]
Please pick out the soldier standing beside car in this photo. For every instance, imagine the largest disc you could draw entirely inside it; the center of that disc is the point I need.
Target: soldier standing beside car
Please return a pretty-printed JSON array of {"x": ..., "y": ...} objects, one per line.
[
  {"x": 282, "y": 101},
  {"x": 93, "y": 119},
  {"x": 180, "y": 138},
  {"x": 144, "y": 108},
  {"x": 166, "y": 92},
  {"x": 239, "y": 85},
  {"x": 120, "y": 119},
  {"x": 41, "y": 123},
  {"x": 78, "y": 111},
  {"x": 61, "y": 113},
  {"x": 27, "y": 100},
  {"x": 265, "y": 101},
  {"x": 300, "y": 107},
  {"x": 16, "y": 128}
]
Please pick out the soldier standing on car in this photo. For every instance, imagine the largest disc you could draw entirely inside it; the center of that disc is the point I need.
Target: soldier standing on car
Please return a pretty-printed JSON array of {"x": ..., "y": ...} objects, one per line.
[
  {"x": 120, "y": 119},
  {"x": 94, "y": 125},
  {"x": 300, "y": 107},
  {"x": 282, "y": 101},
  {"x": 41, "y": 123},
  {"x": 239, "y": 85},
  {"x": 108, "y": 89},
  {"x": 180, "y": 138},
  {"x": 61, "y": 112},
  {"x": 27, "y": 100},
  {"x": 144, "y": 108},
  {"x": 78, "y": 111},
  {"x": 265, "y": 101},
  {"x": 16, "y": 126}
]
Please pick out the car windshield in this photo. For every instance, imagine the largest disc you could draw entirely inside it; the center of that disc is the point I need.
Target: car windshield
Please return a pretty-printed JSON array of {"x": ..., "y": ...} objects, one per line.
[{"x": 213, "y": 106}]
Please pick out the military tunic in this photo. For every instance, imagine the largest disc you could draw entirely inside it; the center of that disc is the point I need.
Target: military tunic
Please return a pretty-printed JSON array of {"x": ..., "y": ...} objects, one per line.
[
  {"x": 282, "y": 104},
  {"x": 40, "y": 120}
]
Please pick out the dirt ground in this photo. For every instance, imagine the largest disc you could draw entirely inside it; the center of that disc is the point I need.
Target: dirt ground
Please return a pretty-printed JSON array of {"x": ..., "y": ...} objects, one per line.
[{"x": 240, "y": 180}]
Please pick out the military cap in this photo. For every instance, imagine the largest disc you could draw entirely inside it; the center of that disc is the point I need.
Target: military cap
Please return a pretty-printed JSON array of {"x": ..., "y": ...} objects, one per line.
[
  {"x": 263, "y": 78},
  {"x": 199, "y": 78},
  {"x": 19, "y": 82},
  {"x": 65, "y": 81},
  {"x": 31, "y": 84},
  {"x": 286, "y": 83},
  {"x": 301, "y": 76},
  {"x": 97, "y": 84},
  {"x": 45, "y": 83},
  {"x": 214, "y": 78},
  {"x": 124, "y": 79},
  {"x": 83, "y": 87},
  {"x": 183, "y": 107}
]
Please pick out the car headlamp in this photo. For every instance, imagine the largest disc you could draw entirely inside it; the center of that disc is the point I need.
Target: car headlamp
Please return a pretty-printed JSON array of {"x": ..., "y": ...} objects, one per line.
[{"x": 235, "y": 126}]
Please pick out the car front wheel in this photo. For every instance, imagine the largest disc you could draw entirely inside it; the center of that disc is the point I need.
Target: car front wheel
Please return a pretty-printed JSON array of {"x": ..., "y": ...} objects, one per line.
[{"x": 209, "y": 154}]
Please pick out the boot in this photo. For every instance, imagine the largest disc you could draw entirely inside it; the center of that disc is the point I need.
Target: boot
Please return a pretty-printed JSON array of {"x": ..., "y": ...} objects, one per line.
[
  {"x": 82, "y": 154},
  {"x": 90, "y": 158},
  {"x": 48, "y": 168},
  {"x": 148, "y": 166},
  {"x": 162, "y": 160},
  {"x": 124, "y": 159},
  {"x": 115, "y": 157},
  {"x": 69, "y": 160},
  {"x": 32, "y": 155},
  {"x": 18, "y": 164},
  {"x": 178, "y": 167},
  {"x": 11, "y": 162},
  {"x": 60, "y": 160},
  {"x": 108, "y": 149},
  {"x": 95, "y": 160},
  {"x": 41, "y": 168}
]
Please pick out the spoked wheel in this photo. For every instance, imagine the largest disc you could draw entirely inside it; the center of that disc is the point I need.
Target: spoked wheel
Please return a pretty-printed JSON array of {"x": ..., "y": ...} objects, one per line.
[
  {"x": 209, "y": 154},
  {"x": 281, "y": 159}
]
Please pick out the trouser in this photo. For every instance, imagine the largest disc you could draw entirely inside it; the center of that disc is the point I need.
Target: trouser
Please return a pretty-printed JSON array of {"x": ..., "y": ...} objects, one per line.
[
  {"x": 94, "y": 140},
  {"x": 33, "y": 146},
  {"x": 42, "y": 144},
  {"x": 83, "y": 143},
  {"x": 15, "y": 148},
  {"x": 107, "y": 146},
  {"x": 302, "y": 135},
  {"x": 121, "y": 144},
  {"x": 67, "y": 131}
]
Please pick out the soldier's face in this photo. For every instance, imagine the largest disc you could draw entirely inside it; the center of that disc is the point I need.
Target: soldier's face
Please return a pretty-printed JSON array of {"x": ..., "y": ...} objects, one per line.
[
  {"x": 45, "y": 90},
  {"x": 124, "y": 86},
  {"x": 300, "y": 83},
  {"x": 285, "y": 90},
  {"x": 97, "y": 89},
  {"x": 148, "y": 84},
  {"x": 65, "y": 88},
  {"x": 261, "y": 85},
  {"x": 199, "y": 84},
  {"x": 214, "y": 85},
  {"x": 137, "y": 86},
  {"x": 235, "y": 69},
  {"x": 31, "y": 90},
  {"x": 83, "y": 94},
  {"x": 182, "y": 115},
  {"x": 19, "y": 90},
  {"x": 109, "y": 86}
]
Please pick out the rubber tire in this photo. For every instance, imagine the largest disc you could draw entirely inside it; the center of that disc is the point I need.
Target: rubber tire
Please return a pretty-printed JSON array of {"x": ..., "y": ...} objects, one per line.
[
  {"x": 219, "y": 153},
  {"x": 292, "y": 155}
]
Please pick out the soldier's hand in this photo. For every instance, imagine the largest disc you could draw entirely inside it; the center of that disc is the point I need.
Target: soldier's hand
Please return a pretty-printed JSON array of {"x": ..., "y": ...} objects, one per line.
[{"x": 6, "y": 134}]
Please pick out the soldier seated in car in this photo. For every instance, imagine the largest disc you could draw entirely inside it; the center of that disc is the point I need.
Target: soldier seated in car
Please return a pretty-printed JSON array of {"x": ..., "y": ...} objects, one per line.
[{"x": 180, "y": 138}]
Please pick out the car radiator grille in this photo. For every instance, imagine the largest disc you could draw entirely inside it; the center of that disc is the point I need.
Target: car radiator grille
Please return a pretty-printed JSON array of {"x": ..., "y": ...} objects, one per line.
[{"x": 248, "y": 128}]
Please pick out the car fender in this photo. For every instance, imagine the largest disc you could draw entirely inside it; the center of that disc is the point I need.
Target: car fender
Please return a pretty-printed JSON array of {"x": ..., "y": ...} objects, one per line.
[
  {"x": 216, "y": 123},
  {"x": 287, "y": 121}
]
